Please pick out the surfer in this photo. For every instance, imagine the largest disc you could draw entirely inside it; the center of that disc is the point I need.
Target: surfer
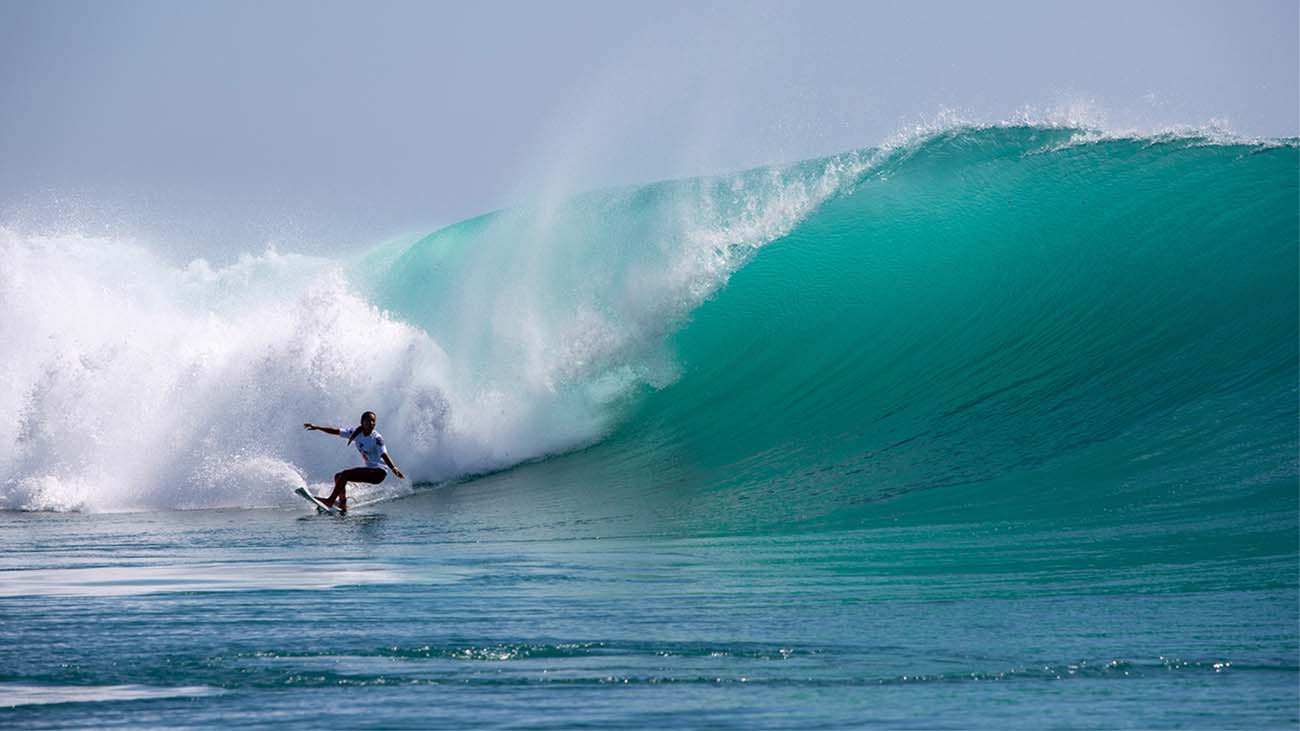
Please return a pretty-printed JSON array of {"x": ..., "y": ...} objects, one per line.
[{"x": 371, "y": 446}]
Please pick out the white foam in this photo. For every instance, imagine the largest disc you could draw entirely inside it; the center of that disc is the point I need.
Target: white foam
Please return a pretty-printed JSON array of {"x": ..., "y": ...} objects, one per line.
[
  {"x": 136, "y": 384},
  {"x": 14, "y": 695}
]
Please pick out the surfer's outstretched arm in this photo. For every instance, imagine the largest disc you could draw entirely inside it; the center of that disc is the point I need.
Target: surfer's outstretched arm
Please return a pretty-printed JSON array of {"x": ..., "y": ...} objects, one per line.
[{"x": 327, "y": 429}]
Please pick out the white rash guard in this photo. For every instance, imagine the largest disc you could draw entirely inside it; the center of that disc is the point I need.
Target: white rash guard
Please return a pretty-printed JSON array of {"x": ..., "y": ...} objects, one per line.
[{"x": 370, "y": 447}]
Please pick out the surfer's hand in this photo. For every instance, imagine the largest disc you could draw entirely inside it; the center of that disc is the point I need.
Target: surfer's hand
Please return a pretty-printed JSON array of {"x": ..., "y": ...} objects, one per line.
[
  {"x": 309, "y": 427},
  {"x": 399, "y": 474}
]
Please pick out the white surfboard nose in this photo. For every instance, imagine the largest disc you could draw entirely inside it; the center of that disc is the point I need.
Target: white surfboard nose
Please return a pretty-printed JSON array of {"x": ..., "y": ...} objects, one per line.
[{"x": 320, "y": 506}]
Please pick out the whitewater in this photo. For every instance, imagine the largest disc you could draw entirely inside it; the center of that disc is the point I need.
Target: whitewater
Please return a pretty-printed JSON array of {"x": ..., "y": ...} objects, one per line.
[{"x": 986, "y": 426}]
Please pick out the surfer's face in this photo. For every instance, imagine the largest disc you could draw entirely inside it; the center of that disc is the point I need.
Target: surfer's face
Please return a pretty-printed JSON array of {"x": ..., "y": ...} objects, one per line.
[{"x": 368, "y": 423}]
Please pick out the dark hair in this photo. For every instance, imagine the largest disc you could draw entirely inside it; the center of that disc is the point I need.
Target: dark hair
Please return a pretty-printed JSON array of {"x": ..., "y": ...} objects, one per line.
[{"x": 357, "y": 431}]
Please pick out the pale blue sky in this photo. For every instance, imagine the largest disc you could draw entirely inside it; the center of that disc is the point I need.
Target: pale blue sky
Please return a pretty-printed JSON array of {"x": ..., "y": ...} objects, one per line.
[{"x": 225, "y": 124}]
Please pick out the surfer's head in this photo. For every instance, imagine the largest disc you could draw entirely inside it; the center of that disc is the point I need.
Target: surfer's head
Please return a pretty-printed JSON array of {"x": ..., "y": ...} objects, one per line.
[{"x": 368, "y": 421}]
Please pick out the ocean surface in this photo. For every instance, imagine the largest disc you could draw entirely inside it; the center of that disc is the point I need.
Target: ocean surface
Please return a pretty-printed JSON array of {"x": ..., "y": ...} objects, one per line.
[{"x": 984, "y": 427}]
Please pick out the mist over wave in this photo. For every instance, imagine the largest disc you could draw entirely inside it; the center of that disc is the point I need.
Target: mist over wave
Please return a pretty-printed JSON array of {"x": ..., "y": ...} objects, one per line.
[{"x": 1013, "y": 305}]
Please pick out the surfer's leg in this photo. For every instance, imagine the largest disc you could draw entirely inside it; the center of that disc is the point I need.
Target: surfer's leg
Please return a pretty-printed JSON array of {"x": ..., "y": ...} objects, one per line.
[
  {"x": 339, "y": 497},
  {"x": 340, "y": 489},
  {"x": 368, "y": 475}
]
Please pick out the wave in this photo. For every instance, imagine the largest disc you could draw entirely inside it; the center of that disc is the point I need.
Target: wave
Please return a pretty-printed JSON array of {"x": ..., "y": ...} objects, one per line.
[{"x": 953, "y": 322}]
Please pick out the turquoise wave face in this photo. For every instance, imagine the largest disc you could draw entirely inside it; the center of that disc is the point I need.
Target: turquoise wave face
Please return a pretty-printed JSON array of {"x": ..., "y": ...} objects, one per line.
[{"x": 1011, "y": 323}]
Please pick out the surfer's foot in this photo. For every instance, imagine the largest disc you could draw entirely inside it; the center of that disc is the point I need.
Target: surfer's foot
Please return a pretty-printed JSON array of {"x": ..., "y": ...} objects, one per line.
[{"x": 343, "y": 505}]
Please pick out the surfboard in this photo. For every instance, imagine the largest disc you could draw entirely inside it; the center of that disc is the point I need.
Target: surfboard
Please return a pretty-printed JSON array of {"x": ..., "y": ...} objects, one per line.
[{"x": 320, "y": 506}]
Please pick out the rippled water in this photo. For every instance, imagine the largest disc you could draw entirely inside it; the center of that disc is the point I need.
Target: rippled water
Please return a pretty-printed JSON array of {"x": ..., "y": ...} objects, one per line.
[{"x": 419, "y": 614}]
